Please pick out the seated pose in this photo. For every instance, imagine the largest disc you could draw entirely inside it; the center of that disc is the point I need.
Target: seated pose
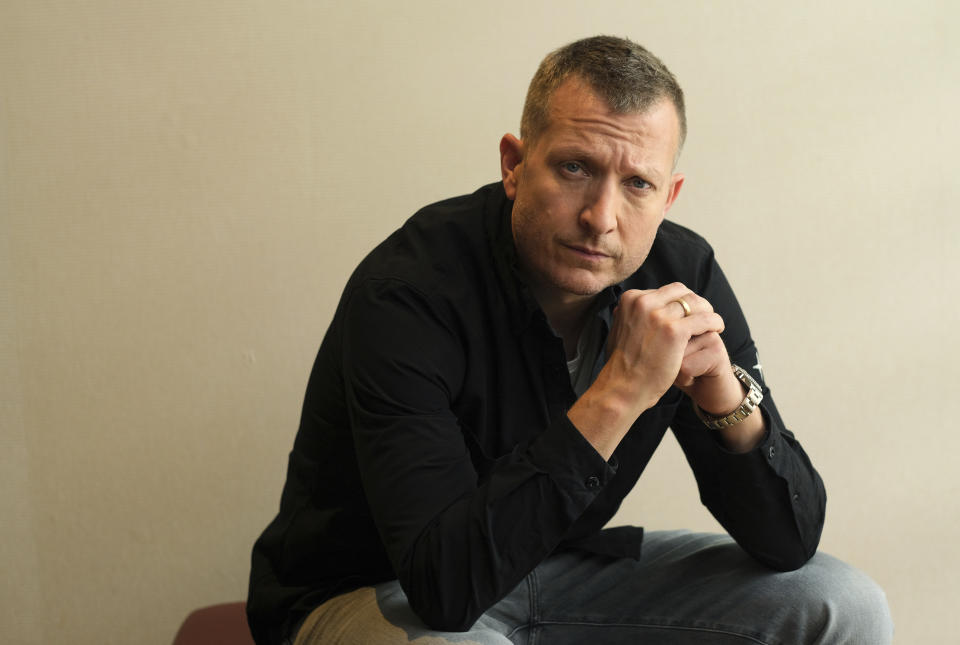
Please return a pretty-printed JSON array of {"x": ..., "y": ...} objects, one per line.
[{"x": 496, "y": 377}]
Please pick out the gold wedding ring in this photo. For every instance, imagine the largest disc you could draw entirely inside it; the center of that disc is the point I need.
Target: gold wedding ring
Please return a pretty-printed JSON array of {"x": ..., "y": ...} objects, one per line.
[{"x": 686, "y": 308}]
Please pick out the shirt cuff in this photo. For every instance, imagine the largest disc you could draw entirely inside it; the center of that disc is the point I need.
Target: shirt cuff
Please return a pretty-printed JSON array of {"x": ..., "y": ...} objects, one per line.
[
  {"x": 571, "y": 461},
  {"x": 756, "y": 464}
]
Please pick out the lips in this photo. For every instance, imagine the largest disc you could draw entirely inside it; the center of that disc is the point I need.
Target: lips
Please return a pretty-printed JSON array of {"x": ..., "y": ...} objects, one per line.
[{"x": 587, "y": 252}]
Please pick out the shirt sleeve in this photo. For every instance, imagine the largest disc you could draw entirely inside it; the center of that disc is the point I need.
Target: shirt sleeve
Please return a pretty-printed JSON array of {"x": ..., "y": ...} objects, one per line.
[
  {"x": 771, "y": 499},
  {"x": 457, "y": 544}
]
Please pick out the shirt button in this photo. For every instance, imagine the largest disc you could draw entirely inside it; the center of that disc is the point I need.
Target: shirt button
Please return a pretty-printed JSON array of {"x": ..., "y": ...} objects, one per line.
[
  {"x": 592, "y": 482},
  {"x": 772, "y": 452},
  {"x": 796, "y": 497}
]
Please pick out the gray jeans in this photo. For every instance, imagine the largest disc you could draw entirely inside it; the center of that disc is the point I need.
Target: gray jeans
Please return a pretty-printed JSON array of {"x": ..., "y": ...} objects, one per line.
[{"x": 687, "y": 588}]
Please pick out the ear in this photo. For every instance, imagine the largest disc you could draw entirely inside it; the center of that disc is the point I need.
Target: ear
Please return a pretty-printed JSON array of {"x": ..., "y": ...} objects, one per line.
[
  {"x": 511, "y": 159},
  {"x": 676, "y": 181}
]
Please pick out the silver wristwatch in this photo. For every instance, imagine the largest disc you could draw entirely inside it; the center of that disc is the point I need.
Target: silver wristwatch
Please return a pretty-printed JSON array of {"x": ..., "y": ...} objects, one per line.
[{"x": 750, "y": 403}]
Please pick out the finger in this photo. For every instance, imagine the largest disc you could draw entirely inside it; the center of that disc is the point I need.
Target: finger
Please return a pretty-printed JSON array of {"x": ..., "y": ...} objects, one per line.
[
  {"x": 694, "y": 365},
  {"x": 671, "y": 298},
  {"x": 666, "y": 294},
  {"x": 698, "y": 343},
  {"x": 694, "y": 304},
  {"x": 702, "y": 323},
  {"x": 711, "y": 359},
  {"x": 709, "y": 343},
  {"x": 653, "y": 298},
  {"x": 685, "y": 308}
]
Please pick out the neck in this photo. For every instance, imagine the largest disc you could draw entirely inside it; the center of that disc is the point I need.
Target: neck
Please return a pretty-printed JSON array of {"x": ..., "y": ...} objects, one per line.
[{"x": 567, "y": 314}]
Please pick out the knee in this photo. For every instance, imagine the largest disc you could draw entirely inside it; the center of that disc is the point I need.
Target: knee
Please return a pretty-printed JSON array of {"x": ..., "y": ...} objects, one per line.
[{"x": 846, "y": 605}]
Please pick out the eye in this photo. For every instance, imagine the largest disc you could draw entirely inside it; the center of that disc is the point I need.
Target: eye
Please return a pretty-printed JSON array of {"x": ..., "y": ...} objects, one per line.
[
  {"x": 639, "y": 184},
  {"x": 573, "y": 167}
]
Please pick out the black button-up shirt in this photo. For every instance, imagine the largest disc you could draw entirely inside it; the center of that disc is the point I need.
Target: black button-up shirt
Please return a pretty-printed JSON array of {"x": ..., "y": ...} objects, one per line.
[{"x": 434, "y": 444}]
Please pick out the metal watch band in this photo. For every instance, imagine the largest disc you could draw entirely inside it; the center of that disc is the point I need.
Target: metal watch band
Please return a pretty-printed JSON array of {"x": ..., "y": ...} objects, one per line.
[{"x": 750, "y": 403}]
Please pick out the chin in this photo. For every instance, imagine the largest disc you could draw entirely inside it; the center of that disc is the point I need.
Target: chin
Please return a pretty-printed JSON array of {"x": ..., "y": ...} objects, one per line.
[{"x": 583, "y": 286}]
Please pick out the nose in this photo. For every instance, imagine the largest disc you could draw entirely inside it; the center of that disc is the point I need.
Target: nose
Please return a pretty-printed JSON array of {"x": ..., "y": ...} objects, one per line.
[{"x": 599, "y": 214}]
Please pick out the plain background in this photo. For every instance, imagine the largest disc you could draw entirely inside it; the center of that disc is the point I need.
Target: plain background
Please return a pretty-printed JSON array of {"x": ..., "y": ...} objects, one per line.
[{"x": 185, "y": 186}]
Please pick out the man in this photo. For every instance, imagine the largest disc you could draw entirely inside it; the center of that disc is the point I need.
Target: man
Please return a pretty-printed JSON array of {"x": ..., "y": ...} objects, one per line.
[{"x": 496, "y": 377}]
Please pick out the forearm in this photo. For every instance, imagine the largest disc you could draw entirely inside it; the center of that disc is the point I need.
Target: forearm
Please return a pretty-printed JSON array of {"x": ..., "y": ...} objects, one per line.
[
  {"x": 770, "y": 498},
  {"x": 606, "y": 412}
]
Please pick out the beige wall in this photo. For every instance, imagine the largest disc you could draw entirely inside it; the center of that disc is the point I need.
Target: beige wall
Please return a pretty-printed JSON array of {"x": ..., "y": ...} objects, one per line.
[{"x": 185, "y": 185}]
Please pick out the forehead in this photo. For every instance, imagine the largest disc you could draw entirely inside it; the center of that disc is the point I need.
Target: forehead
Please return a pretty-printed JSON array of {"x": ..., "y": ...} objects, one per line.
[{"x": 577, "y": 114}]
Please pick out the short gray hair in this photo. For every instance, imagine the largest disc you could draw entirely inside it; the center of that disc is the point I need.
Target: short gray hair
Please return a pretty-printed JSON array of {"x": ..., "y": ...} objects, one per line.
[{"x": 627, "y": 76}]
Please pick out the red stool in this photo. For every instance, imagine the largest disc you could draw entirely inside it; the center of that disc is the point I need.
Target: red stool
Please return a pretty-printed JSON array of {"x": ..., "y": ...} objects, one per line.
[{"x": 224, "y": 624}]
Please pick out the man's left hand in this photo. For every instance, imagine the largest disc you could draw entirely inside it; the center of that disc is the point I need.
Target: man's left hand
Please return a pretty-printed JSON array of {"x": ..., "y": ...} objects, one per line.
[{"x": 707, "y": 378}]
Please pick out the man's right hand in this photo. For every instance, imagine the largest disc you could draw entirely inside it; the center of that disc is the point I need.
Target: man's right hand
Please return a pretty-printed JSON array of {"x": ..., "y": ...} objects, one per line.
[{"x": 645, "y": 351}]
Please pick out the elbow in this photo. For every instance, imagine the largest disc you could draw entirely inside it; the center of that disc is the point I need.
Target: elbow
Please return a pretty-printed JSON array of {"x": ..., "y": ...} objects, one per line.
[
  {"x": 450, "y": 624},
  {"x": 785, "y": 563},
  {"x": 445, "y": 589},
  {"x": 442, "y": 614},
  {"x": 443, "y": 603},
  {"x": 786, "y": 557}
]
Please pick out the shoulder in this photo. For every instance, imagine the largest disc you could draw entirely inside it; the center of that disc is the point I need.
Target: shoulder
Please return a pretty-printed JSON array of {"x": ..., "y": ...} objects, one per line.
[
  {"x": 672, "y": 238},
  {"x": 441, "y": 248}
]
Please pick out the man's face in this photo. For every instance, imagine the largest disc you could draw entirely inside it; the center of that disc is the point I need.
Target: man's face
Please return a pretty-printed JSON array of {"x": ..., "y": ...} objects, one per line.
[{"x": 590, "y": 192}]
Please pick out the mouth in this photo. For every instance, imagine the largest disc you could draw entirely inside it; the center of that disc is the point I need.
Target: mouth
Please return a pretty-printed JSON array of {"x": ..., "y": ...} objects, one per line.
[{"x": 587, "y": 253}]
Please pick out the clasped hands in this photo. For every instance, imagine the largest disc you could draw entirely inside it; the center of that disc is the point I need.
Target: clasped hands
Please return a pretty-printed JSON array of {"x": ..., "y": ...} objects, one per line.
[{"x": 656, "y": 342}]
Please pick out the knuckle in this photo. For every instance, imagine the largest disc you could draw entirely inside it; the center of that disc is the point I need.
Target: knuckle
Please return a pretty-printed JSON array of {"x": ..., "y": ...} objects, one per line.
[
  {"x": 659, "y": 317},
  {"x": 673, "y": 332},
  {"x": 643, "y": 304},
  {"x": 629, "y": 299}
]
